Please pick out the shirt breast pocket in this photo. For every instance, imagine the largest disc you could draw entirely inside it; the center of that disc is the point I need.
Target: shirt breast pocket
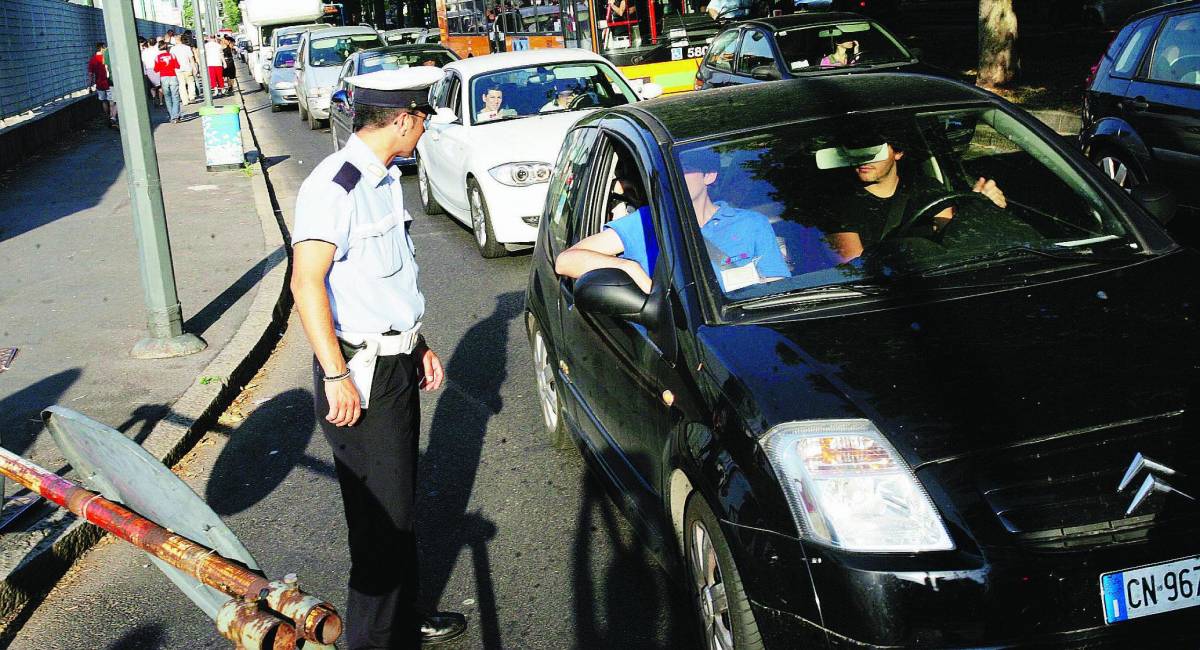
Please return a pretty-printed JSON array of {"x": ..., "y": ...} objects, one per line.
[{"x": 375, "y": 248}]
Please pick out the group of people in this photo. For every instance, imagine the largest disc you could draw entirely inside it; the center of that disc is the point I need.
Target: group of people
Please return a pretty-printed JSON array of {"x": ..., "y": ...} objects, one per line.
[{"x": 171, "y": 69}]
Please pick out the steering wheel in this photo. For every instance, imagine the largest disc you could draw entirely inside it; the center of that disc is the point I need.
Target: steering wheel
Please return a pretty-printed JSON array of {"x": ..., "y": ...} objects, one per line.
[
  {"x": 927, "y": 212},
  {"x": 582, "y": 100}
]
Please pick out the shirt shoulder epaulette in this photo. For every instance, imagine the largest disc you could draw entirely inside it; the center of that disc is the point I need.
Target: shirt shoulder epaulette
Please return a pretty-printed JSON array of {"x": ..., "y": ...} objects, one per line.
[{"x": 347, "y": 177}]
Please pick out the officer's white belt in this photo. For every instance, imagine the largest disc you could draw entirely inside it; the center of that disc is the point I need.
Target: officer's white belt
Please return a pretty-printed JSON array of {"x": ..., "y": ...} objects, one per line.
[{"x": 389, "y": 345}]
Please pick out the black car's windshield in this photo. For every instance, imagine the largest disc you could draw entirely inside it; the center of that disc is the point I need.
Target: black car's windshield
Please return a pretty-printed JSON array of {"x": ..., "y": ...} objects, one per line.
[
  {"x": 862, "y": 200},
  {"x": 838, "y": 45},
  {"x": 552, "y": 88},
  {"x": 333, "y": 50},
  {"x": 384, "y": 60}
]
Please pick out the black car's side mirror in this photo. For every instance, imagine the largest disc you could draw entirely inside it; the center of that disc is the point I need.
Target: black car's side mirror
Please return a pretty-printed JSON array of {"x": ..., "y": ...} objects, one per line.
[
  {"x": 339, "y": 97},
  {"x": 766, "y": 73},
  {"x": 611, "y": 292},
  {"x": 1156, "y": 199}
]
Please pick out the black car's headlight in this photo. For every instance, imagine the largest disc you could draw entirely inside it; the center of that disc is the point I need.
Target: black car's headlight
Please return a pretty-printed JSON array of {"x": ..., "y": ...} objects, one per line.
[{"x": 848, "y": 488}]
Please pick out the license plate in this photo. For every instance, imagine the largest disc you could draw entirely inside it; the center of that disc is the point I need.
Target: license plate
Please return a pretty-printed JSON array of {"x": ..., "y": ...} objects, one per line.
[{"x": 1148, "y": 590}]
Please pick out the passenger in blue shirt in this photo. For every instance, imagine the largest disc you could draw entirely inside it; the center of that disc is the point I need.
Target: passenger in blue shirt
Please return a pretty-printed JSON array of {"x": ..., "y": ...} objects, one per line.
[{"x": 739, "y": 243}]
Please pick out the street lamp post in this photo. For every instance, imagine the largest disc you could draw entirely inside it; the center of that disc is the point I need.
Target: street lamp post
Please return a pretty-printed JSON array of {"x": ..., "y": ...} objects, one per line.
[
  {"x": 164, "y": 315},
  {"x": 200, "y": 14}
]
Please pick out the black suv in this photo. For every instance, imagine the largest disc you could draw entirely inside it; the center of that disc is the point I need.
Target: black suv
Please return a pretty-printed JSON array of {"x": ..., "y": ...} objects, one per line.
[
  {"x": 1141, "y": 111},
  {"x": 958, "y": 435},
  {"x": 786, "y": 47}
]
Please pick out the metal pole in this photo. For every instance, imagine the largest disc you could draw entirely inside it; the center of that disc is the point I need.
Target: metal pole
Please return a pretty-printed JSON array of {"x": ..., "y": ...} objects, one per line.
[
  {"x": 164, "y": 315},
  {"x": 200, "y": 31},
  {"x": 315, "y": 619}
]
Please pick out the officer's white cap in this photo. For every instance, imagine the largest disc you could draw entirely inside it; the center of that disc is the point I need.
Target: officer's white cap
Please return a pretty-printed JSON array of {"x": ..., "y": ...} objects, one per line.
[{"x": 403, "y": 88}]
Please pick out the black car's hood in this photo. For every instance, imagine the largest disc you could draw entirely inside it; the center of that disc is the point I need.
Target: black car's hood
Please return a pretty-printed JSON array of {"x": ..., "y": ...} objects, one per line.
[{"x": 956, "y": 376}]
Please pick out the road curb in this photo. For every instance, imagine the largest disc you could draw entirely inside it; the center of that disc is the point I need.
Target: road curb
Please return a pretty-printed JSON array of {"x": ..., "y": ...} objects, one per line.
[{"x": 42, "y": 554}]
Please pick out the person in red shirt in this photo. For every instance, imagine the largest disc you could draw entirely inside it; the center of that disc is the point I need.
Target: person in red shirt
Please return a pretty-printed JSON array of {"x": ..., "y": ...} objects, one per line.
[
  {"x": 98, "y": 76},
  {"x": 165, "y": 64}
]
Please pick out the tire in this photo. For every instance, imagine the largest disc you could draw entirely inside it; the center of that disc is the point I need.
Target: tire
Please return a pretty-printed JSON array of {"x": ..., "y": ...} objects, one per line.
[
  {"x": 314, "y": 124},
  {"x": 1118, "y": 166},
  {"x": 719, "y": 599},
  {"x": 303, "y": 113},
  {"x": 481, "y": 223},
  {"x": 275, "y": 108},
  {"x": 546, "y": 381},
  {"x": 429, "y": 203}
]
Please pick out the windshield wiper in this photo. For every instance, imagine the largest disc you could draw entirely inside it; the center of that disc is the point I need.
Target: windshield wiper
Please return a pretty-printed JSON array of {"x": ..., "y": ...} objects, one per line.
[
  {"x": 828, "y": 292},
  {"x": 1077, "y": 255}
]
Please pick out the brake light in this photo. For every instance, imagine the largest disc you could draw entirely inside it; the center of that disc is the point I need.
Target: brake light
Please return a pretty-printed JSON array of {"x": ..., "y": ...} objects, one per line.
[{"x": 699, "y": 84}]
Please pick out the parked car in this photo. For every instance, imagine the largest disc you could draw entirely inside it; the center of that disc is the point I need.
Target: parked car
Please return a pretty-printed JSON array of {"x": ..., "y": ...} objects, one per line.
[
  {"x": 413, "y": 35},
  {"x": 282, "y": 80},
  {"x": 392, "y": 57},
  {"x": 920, "y": 447},
  {"x": 318, "y": 62},
  {"x": 485, "y": 157},
  {"x": 278, "y": 38},
  {"x": 243, "y": 46},
  {"x": 786, "y": 47},
  {"x": 1141, "y": 109}
]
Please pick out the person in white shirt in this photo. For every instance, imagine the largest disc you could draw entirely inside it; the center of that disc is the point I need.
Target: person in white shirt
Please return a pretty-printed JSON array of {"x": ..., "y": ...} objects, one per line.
[
  {"x": 187, "y": 69},
  {"x": 214, "y": 59},
  {"x": 149, "y": 54}
]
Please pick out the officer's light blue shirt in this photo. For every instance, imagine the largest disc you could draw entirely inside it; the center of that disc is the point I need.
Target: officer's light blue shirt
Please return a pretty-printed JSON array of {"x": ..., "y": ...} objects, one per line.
[
  {"x": 742, "y": 236},
  {"x": 353, "y": 202}
]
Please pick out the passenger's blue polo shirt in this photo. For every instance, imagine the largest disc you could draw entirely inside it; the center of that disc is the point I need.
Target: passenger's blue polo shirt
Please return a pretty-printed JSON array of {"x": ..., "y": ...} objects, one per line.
[{"x": 742, "y": 235}]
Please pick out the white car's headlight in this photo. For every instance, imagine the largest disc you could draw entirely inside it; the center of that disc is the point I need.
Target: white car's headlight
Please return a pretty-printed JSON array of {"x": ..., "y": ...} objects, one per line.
[
  {"x": 848, "y": 488},
  {"x": 284, "y": 85},
  {"x": 520, "y": 174}
]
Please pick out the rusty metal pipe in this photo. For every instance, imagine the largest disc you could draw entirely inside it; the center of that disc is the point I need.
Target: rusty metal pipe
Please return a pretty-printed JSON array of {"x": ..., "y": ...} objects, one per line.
[
  {"x": 251, "y": 628},
  {"x": 315, "y": 620}
]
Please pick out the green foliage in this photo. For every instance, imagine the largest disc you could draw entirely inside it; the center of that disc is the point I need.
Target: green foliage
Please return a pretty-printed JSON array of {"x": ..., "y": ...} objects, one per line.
[
  {"x": 189, "y": 15},
  {"x": 233, "y": 14}
]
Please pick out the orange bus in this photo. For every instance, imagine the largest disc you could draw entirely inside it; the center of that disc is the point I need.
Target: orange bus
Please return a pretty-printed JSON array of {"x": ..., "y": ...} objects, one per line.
[{"x": 470, "y": 29}]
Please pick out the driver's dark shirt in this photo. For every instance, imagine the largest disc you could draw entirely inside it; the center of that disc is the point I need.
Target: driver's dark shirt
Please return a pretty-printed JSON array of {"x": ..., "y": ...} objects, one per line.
[{"x": 872, "y": 217}]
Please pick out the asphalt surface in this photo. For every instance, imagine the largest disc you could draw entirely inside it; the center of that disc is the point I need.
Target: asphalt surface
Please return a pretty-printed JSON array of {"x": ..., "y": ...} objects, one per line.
[{"x": 513, "y": 533}]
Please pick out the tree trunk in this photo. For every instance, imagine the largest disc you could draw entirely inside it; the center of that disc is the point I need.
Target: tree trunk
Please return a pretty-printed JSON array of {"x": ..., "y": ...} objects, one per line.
[
  {"x": 380, "y": 15},
  {"x": 998, "y": 64}
]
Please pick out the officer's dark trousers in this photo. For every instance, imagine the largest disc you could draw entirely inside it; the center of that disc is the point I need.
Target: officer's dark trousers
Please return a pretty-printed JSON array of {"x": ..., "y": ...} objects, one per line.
[{"x": 377, "y": 468}]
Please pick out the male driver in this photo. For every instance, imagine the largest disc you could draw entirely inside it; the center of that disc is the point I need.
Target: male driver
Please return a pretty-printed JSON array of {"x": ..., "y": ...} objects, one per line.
[
  {"x": 740, "y": 243},
  {"x": 562, "y": 99},
  {"x": 354, "y": 280},
  {"x": 867, "y": 216},
  {"x": 493, "y": 98}
]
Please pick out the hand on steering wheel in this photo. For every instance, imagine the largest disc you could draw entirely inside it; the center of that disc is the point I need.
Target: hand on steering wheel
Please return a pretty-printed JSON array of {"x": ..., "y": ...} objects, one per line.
[{"x": 927, "y": 212}]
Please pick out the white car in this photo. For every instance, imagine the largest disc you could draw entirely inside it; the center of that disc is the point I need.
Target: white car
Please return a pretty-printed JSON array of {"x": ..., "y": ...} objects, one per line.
[
  {"x": 488, "y": 151},
  {"x": 318, "y": 62}
]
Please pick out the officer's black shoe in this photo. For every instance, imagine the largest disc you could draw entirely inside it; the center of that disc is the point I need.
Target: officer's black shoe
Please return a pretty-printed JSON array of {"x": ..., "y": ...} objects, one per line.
[{"x": 440, "y": 627}]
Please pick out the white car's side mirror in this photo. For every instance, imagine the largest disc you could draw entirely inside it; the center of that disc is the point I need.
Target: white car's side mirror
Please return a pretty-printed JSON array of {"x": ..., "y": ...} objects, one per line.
[
  {"x": 650, "y": 90},
  {"x": 444, "y": 115}
]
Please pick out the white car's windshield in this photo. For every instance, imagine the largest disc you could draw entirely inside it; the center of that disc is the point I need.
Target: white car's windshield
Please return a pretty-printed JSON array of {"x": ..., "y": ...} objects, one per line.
[
  {"x": 867, "y": 199},
  {"x": 550, "y": 88}
]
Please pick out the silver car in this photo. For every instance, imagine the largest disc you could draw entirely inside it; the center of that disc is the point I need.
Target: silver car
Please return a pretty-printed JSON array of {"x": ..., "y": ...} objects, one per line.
[
  {"x": 281, "y": 81},
  {"x": 412, "y": 36},
  {"x": 318, "y": 62}
]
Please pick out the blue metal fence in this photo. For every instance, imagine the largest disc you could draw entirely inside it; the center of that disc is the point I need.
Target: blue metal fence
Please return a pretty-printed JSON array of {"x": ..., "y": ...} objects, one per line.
[{"x": 44, "y": 49}]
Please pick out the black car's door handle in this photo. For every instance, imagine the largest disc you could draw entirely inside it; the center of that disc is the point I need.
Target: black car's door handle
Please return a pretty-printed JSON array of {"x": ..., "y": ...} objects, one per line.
[{"x": 1138, "y": 104}]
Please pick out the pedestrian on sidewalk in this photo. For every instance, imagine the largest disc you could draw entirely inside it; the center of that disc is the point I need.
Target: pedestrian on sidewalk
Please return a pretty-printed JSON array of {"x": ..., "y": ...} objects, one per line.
[
  {"x": 166, "y": 66},
  {"x": 98, "y": 76},
  {"x": 214, "y": 60},
  {"x": 186, "y": 56},
  {"x": 361, "y": 309},
  {"x": 154, "y": 82},
  {"x": 229, "y": 69}
]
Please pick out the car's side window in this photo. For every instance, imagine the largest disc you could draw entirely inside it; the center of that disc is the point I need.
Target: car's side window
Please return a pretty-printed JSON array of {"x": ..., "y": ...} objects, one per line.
[
  {"x": 755, "y": 51},
  {"x": 454, "y": 97},
  {"x": 720, "y": 53},
  {"x": 566, "y": 183},
  {"x": 621, "y": 194},
  {"x": 347, "y": 71},
  {"x": 1176, "y": 55},
  {"x": 1127, "y": 60}
]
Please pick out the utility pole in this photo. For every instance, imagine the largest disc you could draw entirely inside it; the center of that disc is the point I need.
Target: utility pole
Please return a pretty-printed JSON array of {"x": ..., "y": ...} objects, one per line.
[
  {"x": 197, "y": 6},
  {"x": 164, "y": 317}
]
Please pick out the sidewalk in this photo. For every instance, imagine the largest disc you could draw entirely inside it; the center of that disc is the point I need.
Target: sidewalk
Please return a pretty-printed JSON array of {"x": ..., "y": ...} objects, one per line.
[{"x": 71, "y": 300}]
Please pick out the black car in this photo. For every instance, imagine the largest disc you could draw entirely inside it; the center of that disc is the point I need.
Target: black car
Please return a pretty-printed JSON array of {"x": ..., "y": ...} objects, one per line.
[
  {"x": 918, "y": 444},
  {"x": 391, "y": 57},
  {"x": 786, "y": 47},
  {"x": 1141, "y": 111}
]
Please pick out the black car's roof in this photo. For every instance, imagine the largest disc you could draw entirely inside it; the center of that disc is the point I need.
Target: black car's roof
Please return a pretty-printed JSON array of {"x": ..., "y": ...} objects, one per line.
[
  {"x": 804, "y": 19},
  {"x": 709, "y": 112}
]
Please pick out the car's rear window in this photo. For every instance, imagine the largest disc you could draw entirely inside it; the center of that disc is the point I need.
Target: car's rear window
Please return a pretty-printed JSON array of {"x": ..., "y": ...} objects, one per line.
[{"x": 397, "y": 60}]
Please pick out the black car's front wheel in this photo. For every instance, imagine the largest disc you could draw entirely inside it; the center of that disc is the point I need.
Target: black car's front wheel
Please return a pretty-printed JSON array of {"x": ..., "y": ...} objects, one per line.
[
  {"x": 1117, "y": 166},
  {"x": 722, "y": 607},
  {"x": 547, "y": 388}
]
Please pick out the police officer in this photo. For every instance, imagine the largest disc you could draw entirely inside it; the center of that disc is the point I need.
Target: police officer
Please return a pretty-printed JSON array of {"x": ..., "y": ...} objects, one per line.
[{"x": 354, "y": 279}]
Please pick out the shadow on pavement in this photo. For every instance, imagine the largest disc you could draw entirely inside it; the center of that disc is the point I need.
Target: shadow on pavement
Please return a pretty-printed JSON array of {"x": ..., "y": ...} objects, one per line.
[
  {"x": 199, "y": 323},
  {"x": 262, "y": 451},
  {"x": 20, "y": 413},
  {"x": 630, "y": 605},
  {"x": 145, "y": 636},
  {"x": 476, "y": 371}
]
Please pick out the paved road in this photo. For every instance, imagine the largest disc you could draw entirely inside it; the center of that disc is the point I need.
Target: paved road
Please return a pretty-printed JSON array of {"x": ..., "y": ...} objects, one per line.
[{"x": 514, "y": 533}]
